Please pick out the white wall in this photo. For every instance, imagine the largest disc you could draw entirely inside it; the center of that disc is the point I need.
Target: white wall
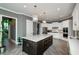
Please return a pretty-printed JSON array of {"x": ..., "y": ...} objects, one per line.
[{"x": 75, "y": 15}]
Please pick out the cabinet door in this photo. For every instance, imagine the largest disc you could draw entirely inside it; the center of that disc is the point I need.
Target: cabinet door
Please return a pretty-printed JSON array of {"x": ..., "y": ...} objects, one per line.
[
  {"x": 47, "y": 42},
  {"x": 29, "y": 47},
  {"x": 40, "y": 47}
]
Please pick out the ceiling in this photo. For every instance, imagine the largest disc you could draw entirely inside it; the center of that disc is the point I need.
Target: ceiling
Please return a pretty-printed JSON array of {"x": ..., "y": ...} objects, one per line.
[{"x": 44, "y": 11}]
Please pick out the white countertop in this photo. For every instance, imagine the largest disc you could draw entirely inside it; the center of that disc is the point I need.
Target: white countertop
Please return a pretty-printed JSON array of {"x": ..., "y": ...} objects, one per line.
[
  {"x": 36, "y": 38},
  {"x": 74, "y": 46}
]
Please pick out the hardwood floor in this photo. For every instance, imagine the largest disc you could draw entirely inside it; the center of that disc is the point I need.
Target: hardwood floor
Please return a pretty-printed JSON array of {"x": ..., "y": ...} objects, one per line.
[{"x": 59, "y": 47}]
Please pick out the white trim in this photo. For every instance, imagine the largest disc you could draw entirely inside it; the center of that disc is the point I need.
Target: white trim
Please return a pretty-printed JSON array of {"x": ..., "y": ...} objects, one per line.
[
  {"x": 16, "y": 25},
  {"x": 14, "y": 11}
]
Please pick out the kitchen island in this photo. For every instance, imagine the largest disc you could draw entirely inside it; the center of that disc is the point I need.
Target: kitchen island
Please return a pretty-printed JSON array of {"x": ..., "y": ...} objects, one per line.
[{"x": 36, "y": 44}]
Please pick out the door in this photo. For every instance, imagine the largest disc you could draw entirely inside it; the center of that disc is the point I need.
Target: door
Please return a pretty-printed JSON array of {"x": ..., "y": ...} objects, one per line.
[
  {"x": 29, "y": 27},
  {"x": 9, "y": 32}
]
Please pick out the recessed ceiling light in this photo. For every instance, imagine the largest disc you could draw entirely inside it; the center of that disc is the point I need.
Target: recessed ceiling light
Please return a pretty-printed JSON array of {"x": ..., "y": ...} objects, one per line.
[
  {"x": 58, "y": 9},
  {"x": 25, "y": 6}
]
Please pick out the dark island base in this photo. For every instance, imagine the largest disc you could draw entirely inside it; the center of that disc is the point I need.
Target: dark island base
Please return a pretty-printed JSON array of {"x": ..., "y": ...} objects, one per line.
[{"x": 36, "y": 48}]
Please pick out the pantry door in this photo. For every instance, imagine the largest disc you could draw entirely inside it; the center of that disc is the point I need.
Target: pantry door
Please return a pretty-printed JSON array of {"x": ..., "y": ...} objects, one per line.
[{"x": 29, "y": 27}]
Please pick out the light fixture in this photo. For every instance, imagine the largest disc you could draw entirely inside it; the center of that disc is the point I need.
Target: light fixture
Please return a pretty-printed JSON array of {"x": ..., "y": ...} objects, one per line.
[
  {"x": 35, "y": 6},
  {"x": 44, "y": 21},
  {"x": 35, "y": 18},
  {"x": 25, "y": 6},
  {"x": 58, "y": 9}
]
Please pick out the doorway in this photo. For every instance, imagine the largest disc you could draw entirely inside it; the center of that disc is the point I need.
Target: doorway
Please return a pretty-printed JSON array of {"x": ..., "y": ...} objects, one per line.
[{"x": 8, "y": 32}]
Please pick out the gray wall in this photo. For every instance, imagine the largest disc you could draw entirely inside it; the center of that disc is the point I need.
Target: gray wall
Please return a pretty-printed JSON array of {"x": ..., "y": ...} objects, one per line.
[{"x": 21, "y": 22}]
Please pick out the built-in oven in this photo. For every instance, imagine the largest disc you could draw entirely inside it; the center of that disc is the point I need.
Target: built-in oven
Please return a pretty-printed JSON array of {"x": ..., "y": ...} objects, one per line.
[{"x": 65, "y": 32}]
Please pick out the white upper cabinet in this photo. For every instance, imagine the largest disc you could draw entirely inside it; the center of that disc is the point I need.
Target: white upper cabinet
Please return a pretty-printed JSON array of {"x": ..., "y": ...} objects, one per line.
[
  {"x": 65, "y": 23},
  {"x": 75, "y": 15}
]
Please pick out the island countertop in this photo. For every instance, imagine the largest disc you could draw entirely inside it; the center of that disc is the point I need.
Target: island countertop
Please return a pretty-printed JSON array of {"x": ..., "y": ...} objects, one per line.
[
  {"x": 36, "y": 38},
  {"x": 37, "y": 44}
]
